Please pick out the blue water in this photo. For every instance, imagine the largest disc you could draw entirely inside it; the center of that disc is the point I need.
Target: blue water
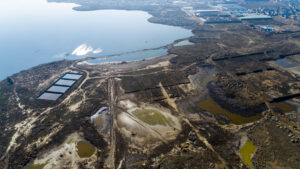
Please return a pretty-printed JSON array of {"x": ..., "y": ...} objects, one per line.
[
  {"x": 33, "y": 32},
  {"x": 132, "y": 56},
  {"x": 286, "y": 63}
]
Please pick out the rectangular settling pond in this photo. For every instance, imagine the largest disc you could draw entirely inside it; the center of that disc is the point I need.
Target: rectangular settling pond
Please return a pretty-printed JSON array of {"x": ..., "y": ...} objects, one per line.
[
  {"x": 73, "y": 76},
  {"x": 49, "y": 96},
  {"x": 60, "y": 87},
  {"x": 57, "y": 89},
  {"x": 65, "y": 82}
]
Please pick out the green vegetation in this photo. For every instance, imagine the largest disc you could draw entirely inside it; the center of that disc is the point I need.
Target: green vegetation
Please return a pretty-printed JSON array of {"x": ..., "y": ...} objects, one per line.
[
  {"x": 84, "y": 149},
  {"x": 284, "y": 107},
  {"x": 70, "y": 141},
  {"x": 36, "y": 166},
  {"x": 246, "y": 152},
  {"x": 153, "y": 117},
  {"x": 211, "y": 106}
]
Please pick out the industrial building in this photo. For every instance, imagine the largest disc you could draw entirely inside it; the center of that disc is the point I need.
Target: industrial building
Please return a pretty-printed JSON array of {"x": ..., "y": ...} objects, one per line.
[
  {"x": 209, "y": 12},
  {"x": 255, "y": 17}
]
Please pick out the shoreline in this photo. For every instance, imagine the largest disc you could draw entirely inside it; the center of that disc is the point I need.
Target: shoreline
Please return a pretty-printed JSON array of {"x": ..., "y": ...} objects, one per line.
[
  {"x": 167, "y": 46},
  {"x": 77, "y": 61}
]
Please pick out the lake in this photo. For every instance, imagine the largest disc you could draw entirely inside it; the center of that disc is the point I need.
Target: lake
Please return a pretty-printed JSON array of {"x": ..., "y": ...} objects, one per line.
[{"x": 33, "y": 32}]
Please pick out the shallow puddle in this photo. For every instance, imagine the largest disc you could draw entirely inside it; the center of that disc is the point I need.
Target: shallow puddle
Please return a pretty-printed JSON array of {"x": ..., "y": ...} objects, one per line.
[
  {"x": 100, "y": 118},
  {"x": 246, "y": 152},
  {"x": 184, "y": 43},
  {"x": 153, "y": 117},
  {"x": 286, "y": 63},
  {"x": 140, "y": 55},
  {"x": 209, "y": 78},
  {"x": 284, "y": 107},
  {"x": 84, "y": 149},
  {"x": 211, "y": 106},
  {"x": 36, "y": 166}
]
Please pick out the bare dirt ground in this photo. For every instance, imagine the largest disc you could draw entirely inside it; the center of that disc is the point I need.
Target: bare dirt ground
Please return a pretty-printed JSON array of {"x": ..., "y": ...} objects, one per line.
[{"x": 154, "y": 117}]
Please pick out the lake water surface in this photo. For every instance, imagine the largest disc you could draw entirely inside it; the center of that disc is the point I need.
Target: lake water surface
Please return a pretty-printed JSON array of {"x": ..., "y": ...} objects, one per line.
[{"x": 35, "y": 31}]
